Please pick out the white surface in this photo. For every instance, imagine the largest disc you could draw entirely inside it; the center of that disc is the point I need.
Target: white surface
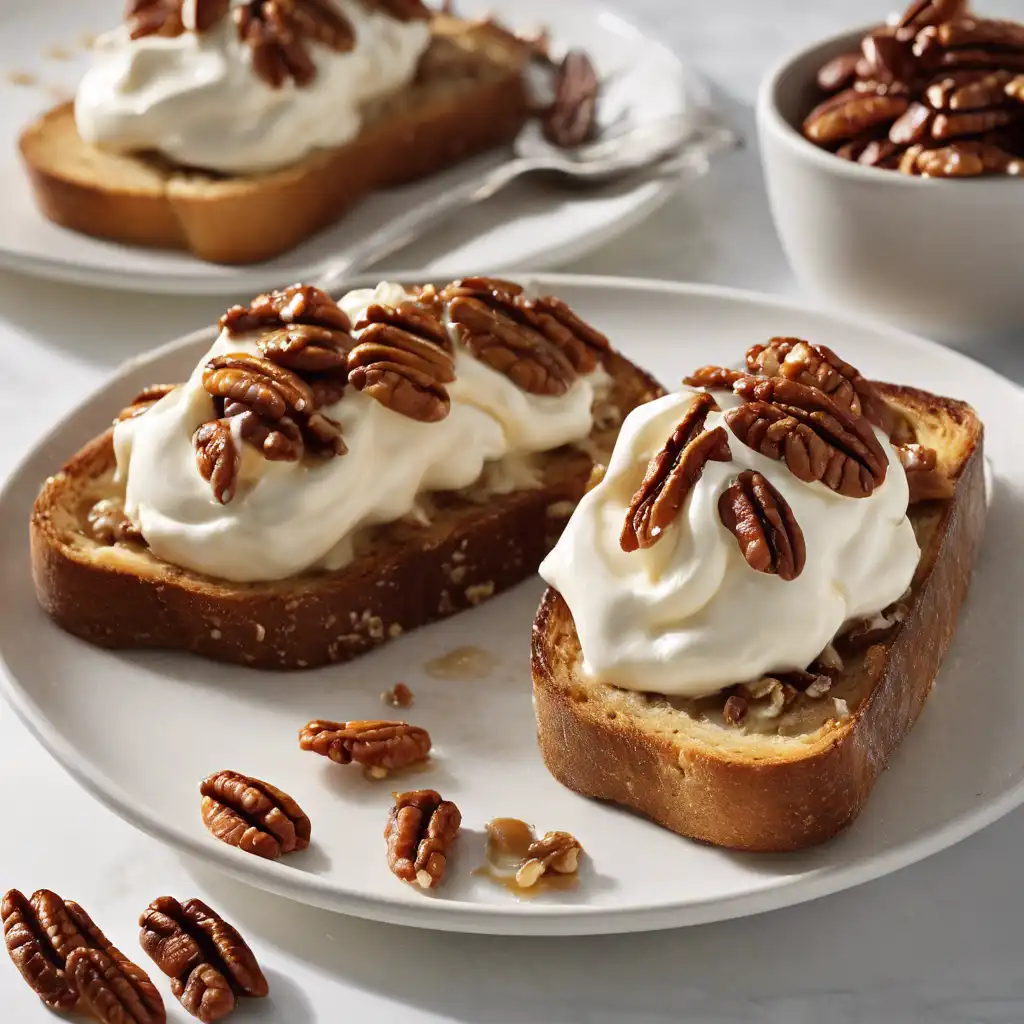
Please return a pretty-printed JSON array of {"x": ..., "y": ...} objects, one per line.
[
  {"x": 637, "y": 875},
  {"x": 936, "y": 944},
  {"x": 883, "y": 242},
  {"x": 531, "y": 223}
]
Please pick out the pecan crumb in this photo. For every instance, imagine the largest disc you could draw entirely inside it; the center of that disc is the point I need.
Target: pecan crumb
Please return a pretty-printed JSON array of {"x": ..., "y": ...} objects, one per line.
[
  {"x": 735, "y": 709},
  {"x": 399, "y": 696},
  {"x": 555, "y": 853}
]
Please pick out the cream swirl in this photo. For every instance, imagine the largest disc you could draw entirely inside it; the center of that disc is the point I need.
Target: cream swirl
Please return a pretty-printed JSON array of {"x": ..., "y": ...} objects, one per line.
[
  {"x": 688, "y": 616},
  {"x": 287, "y": 517},
  {"x": 196, "y": 98}
]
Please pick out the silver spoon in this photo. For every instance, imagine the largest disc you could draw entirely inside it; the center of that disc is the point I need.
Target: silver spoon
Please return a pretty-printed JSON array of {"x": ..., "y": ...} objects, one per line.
[{"x": 674, "y": 142}]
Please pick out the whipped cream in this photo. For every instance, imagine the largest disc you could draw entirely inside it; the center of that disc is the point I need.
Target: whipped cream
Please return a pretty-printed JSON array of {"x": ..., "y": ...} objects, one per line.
[
  {"x": 287, "y": 517},
  {"x": 688, "y": 616},
  {"x": 196, "y": 98}
]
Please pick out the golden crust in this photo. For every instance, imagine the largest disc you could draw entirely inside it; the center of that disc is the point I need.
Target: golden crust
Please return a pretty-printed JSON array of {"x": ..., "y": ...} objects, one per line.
[{"x": 752, "y": 792}]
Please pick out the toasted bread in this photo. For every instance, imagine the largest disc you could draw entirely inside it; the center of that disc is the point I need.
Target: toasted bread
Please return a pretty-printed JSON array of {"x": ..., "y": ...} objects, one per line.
[
  {"x": 404, "y": 574},
  {"x": 798, "y": 779},
  {"x": 469, "y": 97}
]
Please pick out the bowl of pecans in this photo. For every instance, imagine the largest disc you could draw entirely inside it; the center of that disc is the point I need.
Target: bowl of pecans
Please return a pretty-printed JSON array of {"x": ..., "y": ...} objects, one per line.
[{"x": 894, "y": 161}]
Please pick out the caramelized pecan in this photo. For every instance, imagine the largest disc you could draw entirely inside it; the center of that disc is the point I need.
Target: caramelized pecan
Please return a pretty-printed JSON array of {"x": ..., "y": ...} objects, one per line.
[
  {"x": 914, "y": 125},
  {"x": 968, "y": 90},
  {"x": 210, "y": 965},
  {"x": 582, "y": 344},
  {"x": 108, "y": 523},
  {"x": 818, "y": 440},
  {"x": 554, "y": 853},
  {"x": 572, "y": 118},
  {"x": 401, "y": 361},
  {"x": 672, "y": 474},
  {"x": 735, "y": 709},
  {"x": 764, "y": 526},
  {"x": 851, "y": 113},
  {"x": 965, "y": 159},
  {"x": 277, "y": 440},
  {"x": 715, "y": 378},
  {"x": 253, "y": 815},
  {"x": 931, "y": 12},
  {"x": 297, "y": 304},
  {"x": 383, "y": 745},
  {"x": 926, "y": 480},
  {"x": 265, "y": 387},
  {"x": 838, "y": 73},
  {"x": 144, "y": 401},
  {"x": 421, "y": 829},
  {"x": 115, "y": 991},
  {"x": 304, "y": 348},
  {"x": 217, "y": 458}
]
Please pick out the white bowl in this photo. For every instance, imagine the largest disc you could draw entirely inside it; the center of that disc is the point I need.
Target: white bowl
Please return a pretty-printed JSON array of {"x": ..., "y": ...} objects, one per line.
[{"x": 940, "y": 257}]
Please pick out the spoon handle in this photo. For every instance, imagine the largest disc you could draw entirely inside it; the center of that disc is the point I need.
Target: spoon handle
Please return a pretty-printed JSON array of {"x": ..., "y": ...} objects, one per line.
[{"x": 412, "y": 224}]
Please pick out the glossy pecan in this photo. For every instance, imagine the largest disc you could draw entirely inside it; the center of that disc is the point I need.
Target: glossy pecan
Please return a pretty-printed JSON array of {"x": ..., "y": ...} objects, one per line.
[
  {"x": 1015, "y": 88},
  {"x": 168, "y": 18},
  {"x": 114, "y": 991},
  {"x": 838, "y": 73},
  {"x": 913, "y": 126},
  {"x": 672, "y": 474},
  {"x": 217, "y": 458},
  {"x": 967, "y": 158},
  {"x": 279, "y": 32},
  {"x": 401, "y": 361},
  {"x": 817, "y": 439},
  {"x": 297, "y": 304},
  {"x": 572, "y": 118},
  {"x": 145, "y": 400},
  {"x": 420, "y": 832},
  {"x": 850, "y": 114},
  {"x": 968, "y": 90},
  {"x": 735, "y": 709},
  {"x": 389, "y": 746},
  {"x": 761, "y": 520},
  {"x": 305, "y": 348},
  {"x": 931, "y": 12},
  {"x": 108, "y": 523},
  {"x": 888, "y": 58},
  {"x": 925, "y": 478},
  {"x": 277, "y": 440},
  {"x": 969, "y": 122},
  {"x": 210, "y": 965},
  {"x": 716, "y": 378},
  {"x": 401, "y": 10},
  {"x": 582, "y": 344},
  {"x": 253, "y": 815},
  {"x": 554, "y": 853},
  {"x": 265, "y": 387}
]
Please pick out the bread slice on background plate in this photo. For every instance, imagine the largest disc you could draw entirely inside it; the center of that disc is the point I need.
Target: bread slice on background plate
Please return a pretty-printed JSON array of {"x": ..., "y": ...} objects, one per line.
[
  {"x": 792, "y": 781},
  {"x": 470, "y": 96},
  {"x": 404, "y": 574}
]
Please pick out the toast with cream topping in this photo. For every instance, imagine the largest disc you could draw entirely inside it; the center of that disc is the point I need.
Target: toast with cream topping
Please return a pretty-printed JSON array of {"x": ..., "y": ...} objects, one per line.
[
  {"x": 356, "y": 471},
  {"x": 767, "y": 760},
  {"x": 468, "y": 96}
]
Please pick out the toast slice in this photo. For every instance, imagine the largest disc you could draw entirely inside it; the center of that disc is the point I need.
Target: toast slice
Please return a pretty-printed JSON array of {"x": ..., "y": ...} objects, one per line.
[
  {"x": 469, "y": 97},
  {"x": 791, "y": 781},
  {"x": 404, "y": 575}
]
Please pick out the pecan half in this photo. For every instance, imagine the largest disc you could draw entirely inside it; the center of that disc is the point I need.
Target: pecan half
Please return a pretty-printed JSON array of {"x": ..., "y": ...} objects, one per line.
[
  {"x": 209, "y": 963},
  {"x": 402, "y": 362},
  {"x": 555, "y": 853},
  {"x": 304, "y": 348},
  {"x": 277, "y": 440},
  {"x": 968, "y": 90},
  {"x": 572, "y": 118},
  {"x": 278, "y": 32},
  {"x": 389, "y": 746},
  {"x": 297, "y": 304},
  {"x": 265, "y": 387},
  {"x": 253, "y": 815},
  {"x": 931, "y": 12},
  {"x": 166, "y": 17},
  {"x": 582, "y": 344},
  {"x": 672, "y": 474},
  {"x": 839, "y": 72},
  {"x": 420, "y": 832},
  {"x": 144, "y": 401},
  {"x": 818, "y": 440},
  {"x": 217, "y": 458},
  {"x": 970, "y": 122},
  {"x": 849, "y": 114},
  {"x": 964, "y": 159},
  {"x": 764, "y": 526},
  {"x": 914, "y": 125},
  {"x": 716, "y": 378},
  {"x": 115, "y": 991}
]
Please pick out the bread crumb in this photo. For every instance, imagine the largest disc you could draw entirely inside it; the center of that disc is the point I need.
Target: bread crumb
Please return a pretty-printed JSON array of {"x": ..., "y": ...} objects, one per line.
[
  {"x": 479, "y": 592},
  {"x": 261, "y": 633},
  {"x": 445, "y": 605},
  {"x": 291, "y": 606},
  {"x": 215, "y": 634},
  {"x": 375, "y": 627},
  {"x": 457, "y": 574},
  {"x": 458, "y": 556},
  {"x": 394, "y": 630},
  {"x": 302, "y": 664}
]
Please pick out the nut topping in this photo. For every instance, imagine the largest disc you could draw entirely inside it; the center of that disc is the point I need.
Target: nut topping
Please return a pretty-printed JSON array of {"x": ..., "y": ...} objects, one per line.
[
  {"x": 818, "y": 440},
  {"x": 165, "y": 17},
  {"x": 572, "y": 118},
  {"x": 581, "y": 344},
  {"x": 209, "y": 963},
  {"x": 421, "y": 829},
  {"x": 255, "y": 816},
  {"x": 388, "y": 746},
  {"x": 304, "y": 348},
  {"x": 850, "y": 114},
  {"x": 555, "y": 853},
  {"x": 402, "y": 362},
  {"x": 115, "y": 991},
  {"x": 263, "y": 386},
  {"x": 144, "y": 401},
  {"x": 297, "y": 304},
  {"x": 217, "y": 458},
  {"x": 672, "y": 474},
  {"x": 109, "y": 525},
  {"x": 715, "y": 378},
  {"x": 764, "y": 526}
]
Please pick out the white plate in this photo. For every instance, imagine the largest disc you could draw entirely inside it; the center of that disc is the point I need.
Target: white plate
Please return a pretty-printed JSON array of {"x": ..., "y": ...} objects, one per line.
[
  {"x": 139, "y": 730},
  {"x": 529, "y": 224}
]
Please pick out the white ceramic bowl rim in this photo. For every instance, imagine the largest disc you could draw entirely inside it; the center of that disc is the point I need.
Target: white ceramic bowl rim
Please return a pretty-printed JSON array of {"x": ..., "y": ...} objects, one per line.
[{"x": 771, "y": 118}]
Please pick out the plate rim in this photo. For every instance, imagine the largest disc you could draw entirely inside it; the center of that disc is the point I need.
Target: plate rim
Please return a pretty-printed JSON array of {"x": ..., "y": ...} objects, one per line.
[
  {"x": 518, "y": 918},
  {"x": 255, "y": 277}
]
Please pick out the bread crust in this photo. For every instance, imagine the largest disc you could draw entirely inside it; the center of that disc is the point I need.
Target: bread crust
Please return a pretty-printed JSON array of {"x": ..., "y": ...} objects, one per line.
[
  {"x": 761, "y": 803},
  {"x": 238, "y": 220},
  {"x": 468, "y": 553}
]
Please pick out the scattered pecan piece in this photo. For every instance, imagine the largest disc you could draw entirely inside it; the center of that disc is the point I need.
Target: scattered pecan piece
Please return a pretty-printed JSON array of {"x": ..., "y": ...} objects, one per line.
[
  {"x": 926, "y": 480},
  {"x": 401, "y": 361},
  {"x": 166, "y": 17},
  {"x": 253, "y": 815},
  {"x": 144, "y": 401},
  {"x": 735, "y": 709},
  {"x": 764, "y": 526},
  {"x": 399, "y": 696},
  {"x": 209, "y": 963},
  {"x": 555, "y": 853},
  {"x": 389, "y": 746},
  {"x": 572, "y": 118},
  {"x": 278, "y": 32},
  {"x": 115, "y": 991},
  {"x": 851, "y": 113},
  {"x": 217, "y": 458},
  {"x": 39, "y": 957},
  {"x": 109, "y": 525},
  {"x": 672, "y": 474},
  {"x": 421, "y": 829},
  {"x": 817, "y": 439},
  {"x": 716, "y": 378}
]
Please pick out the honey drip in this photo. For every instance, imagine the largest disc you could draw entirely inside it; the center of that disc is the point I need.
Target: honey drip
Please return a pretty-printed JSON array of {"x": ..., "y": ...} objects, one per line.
[
  {"x": 508, "y": 842},
  {"x": 462, "y": 663}
]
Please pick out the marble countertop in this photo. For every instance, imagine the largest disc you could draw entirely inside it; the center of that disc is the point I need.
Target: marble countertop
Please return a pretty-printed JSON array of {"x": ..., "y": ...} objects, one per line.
[{"x": 939, "y": 942}]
